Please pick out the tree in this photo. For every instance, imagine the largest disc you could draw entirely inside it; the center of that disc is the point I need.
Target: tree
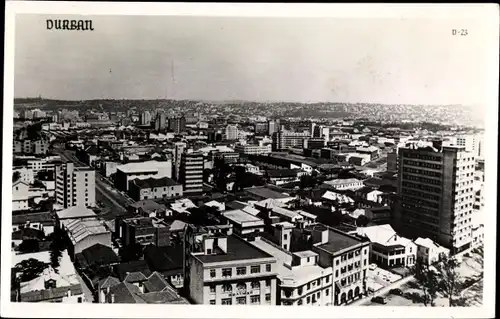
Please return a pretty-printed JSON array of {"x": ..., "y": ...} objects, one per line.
[
  {"x": 29, "y": 246},
  {"x": 362, "y": 221},
  {"x": 131, "y": 252},
  {"x": 16, "y": 176},
  {"x": 449, "y": 278},
  {"x": 57, "y": 246},
  {"x": 429, "y": 281},
  {"x": 30, "y": 269}
]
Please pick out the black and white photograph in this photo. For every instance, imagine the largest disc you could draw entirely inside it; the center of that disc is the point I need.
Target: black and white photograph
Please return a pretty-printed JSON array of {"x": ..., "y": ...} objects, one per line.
[{"x": 181, "y": 155}]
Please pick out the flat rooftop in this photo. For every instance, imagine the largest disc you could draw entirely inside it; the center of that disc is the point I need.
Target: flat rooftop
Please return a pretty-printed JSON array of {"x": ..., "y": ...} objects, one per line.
[
  {"x": 237, "y": 249},
  {"x": 240, "y": 216},
  {"x": 266, "y": 192},
  {"x": 338, "y": 241}
]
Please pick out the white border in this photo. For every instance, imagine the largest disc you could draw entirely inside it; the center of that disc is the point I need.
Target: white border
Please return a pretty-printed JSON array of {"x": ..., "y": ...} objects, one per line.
[{"x": 466, "y": 11}]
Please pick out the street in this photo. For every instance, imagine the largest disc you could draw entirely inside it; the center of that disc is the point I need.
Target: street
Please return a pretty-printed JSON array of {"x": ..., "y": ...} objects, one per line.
[{"x": 115, "y": 203}]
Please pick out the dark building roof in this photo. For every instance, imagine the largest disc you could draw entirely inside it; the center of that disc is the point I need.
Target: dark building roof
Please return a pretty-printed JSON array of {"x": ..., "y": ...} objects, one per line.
[
  {"x": 235, "y": 205},
  {"x": 237, "y": 249},
  {"x": 154, "y": 182},
  {"x": 276, "y": 173},
  {"x": 47, "y": 218},
  {"x": 164, "y": 259},
  {"x": 109, "y": 281},
  {"x": 28, "y": 233},
  {"x": 98, "y": 255},
  {"x": 50, "y": 294},
  {"x": 132, "y": 266},
  {"x": 155, "y": 283},
  {"x": 264, "y": 192},
  {"x": 338, "y": 241},
  {"x": 126, "y": 292},
  {"x": 136, "y": 276}
]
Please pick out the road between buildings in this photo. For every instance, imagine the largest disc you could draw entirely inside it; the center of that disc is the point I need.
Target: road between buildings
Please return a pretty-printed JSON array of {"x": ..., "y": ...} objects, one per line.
[{"x": 382, "y": 291}]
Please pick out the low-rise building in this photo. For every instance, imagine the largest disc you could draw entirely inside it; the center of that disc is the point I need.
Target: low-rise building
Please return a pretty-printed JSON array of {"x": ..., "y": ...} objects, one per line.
[
  {"x": 429, "y": 252},
  {"x": 244, "y": 223},
  {"x": 345, "y": 184},
  {"x": 231, "y": 271},
  {"x": 25, "y": 174},
  {"x": 143, "y": 230},
  {"x": 301, "y": 281},
  {"x": 251, "y": 149},
  {"x": 83, "y": 234},
  {"x": 283, "y": 176},
  {"x": 20, "y": 195},
  {"x": 389, "y": 249},
  {"x": 153, "y": 188},
  {"x": 141, "y": 170}
]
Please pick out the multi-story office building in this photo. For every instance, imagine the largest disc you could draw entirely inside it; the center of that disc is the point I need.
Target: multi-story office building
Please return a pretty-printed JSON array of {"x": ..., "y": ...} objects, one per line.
[
  {"x": 191, "y": 172},
  {"x": 348, "y": 258},
  {"x": 251, "y": 149},
  {"x": 301, "y": 281},
  {"x": 436, "y": 189},
  {"x": 142, "y": 170},
  {"x": 161, "y": 122},
  {"x": 285, "y": 139},
  {"x": 75, "y": 186},
  {"x": 272, "y": 127},
  {"x": 231, "y": 132},
  {"x": 31, "y": 146},
  {"x": 177, "y": 124},
  {"x": 145, "y": 118},
  {"x": 231, "y": 271},
  {"x": 314, "y": 143},
  {"x": 261, "y": 128},
  {"x": 179, "y": 149}
]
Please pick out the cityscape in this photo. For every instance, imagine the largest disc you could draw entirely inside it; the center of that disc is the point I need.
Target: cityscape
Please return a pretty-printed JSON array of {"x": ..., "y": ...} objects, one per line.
[{"x": 238, "y": 202}]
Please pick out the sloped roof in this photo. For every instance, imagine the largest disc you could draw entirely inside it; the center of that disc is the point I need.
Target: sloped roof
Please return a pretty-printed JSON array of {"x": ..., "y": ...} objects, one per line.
[
  {"x": 126, "y": 292},
  {"x": 383, "y": 235},
  {"x": 108, "y": 282},
  {"x": 155, "y": 283},
  {"x": 75, "y": 212},
  {"x": 98, "y": 254}
]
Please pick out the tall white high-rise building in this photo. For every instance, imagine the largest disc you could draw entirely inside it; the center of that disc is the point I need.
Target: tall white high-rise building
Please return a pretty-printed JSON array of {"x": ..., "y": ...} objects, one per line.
[
  {"x": 75, "y": 186},
  {"x": 179, "y": 149},
  {"x": 231, "y": 132},
  {"x": 145, "y": 118}
]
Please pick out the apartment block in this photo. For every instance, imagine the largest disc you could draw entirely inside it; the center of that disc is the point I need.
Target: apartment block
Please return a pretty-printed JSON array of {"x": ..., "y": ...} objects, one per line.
[
  {"x": 436, "y": 188},
  {"x": 143, "y": 230},
  {"x": 251, "y": 149},
  {"x": 191, "y": 172},
  {"x": 75, "y": 186},
  {"x": 141, "y": 170},
  {"x": 285, "y": 139},
  {"x": 153, "y": 188}
]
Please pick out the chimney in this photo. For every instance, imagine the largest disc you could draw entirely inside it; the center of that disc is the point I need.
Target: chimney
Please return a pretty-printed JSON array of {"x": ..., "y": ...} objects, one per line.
[
  {"x": 222, "y": 243},
  {"x": 112, "y": 298}
]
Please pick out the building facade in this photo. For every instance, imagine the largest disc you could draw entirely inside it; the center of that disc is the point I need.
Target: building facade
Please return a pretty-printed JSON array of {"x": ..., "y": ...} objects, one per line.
[
  {"x": 436, "y": 189},
  {"x": 231, "y": 271},
  {"x": 253, "y": 149},
  {"x": 153, "y": 188},
  {"x": 75, "y": 186},
  {"x": 191, "y": 173},
  {"x": 142, "y": 170},
  {"x": 231, "y": 132}
]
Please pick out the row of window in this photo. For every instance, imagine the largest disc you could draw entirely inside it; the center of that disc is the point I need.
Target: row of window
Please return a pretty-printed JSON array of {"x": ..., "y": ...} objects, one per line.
[
  {"x": 423, "y": 218},
  {"x": 415, "y": 201},
  {"x": 421, "y": 179},
  {"x": 240, "y": 287},
  {"x": 420, "y": 194},
  {"x": 422, "y": 164},
  {"x": 228, "y": 272},
  {"x": 421, "y": 172},
  {"x": 422, "y": 156},
  {"x": 242, "y": 300}
]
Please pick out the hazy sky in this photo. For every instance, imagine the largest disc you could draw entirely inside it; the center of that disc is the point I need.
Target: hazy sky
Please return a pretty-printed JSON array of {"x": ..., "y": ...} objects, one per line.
[{"x": 291, "y": 59}]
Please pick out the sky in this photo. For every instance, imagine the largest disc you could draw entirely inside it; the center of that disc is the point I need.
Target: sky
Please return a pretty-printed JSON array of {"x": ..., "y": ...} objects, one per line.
[{"x": 407, "y": 61}]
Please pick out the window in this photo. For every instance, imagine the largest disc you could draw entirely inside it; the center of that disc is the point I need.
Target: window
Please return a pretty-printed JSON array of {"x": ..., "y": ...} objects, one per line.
[
  {"x": 209, "y": 251},
  {"x": 212, "y": 273},
  {"x": 364, "y": 262},
  {"x": 308, "y": 299},
  {"x": 318, "y": 282},
  {"x": 255, "y": 285},
  {"x": 285, "y": 237},
  {"x": 241, "y": 300},
  {"x": 299, "y": 303},
  {"x": 79, "y": 299},
  {"x": 337, "y": 262},
  {"x": 255, "y": 269},
  {"x": 268, "y": 297},
  {"x": 327, "y": 292},
  {"x": 212, "y": 302},
  {"x": 241, "y": 270},
  {"x": 227, "y": 272},
  {"x": 318, "y": 294},
  {"x": 268, "y": 267},
  {"x": 299, "y": 291},
  {"x": 227, "y": 288},
  {"x": 254, "y": 299},
  {"x": 285, "y": 247},
  {"x": 212, "y": 289},
  {"x": 308, "y": 286},
  {"x": 226, "y": 301},
  {"x": 268, "y": 282},
  {"x": 327, "y": 279}
]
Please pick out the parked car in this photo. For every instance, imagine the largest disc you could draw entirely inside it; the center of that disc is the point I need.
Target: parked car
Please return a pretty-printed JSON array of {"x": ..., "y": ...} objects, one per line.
[
  {"x": 396, "y": 291},
  {"x": 372, "y": 266},
  {"x": 380, "y": 300}
]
